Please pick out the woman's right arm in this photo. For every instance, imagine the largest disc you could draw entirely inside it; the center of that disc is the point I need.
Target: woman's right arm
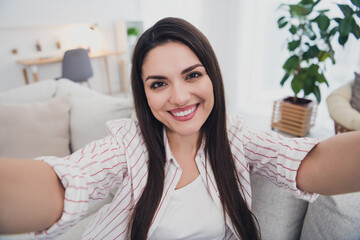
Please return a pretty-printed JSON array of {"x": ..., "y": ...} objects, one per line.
[{"x": 31, "y": 196}]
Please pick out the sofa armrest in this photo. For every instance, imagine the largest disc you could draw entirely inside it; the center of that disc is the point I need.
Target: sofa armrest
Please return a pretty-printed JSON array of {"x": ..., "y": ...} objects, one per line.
[{"x": 340, "y": 109}]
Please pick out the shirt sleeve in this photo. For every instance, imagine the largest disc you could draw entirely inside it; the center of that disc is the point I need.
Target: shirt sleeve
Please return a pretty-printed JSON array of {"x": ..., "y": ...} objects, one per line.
[
  {"x": 87, "y": 176},
  {"x": 275, "y": 157}
]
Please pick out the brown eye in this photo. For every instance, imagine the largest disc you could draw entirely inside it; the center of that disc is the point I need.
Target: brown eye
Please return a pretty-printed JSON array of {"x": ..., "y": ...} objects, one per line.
[
  {"x": 155, "y": 85},
  {"x": 193, "y": 75}
]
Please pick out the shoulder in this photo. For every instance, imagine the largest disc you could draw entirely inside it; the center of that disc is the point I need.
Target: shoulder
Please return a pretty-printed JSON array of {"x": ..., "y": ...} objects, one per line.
[
  {"x": 236, "y": 126},
  {"x": 124, "y": 130}
]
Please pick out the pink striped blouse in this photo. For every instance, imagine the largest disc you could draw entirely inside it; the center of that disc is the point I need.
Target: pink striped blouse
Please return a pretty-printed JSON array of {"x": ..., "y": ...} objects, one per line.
[{"x": 120, "y": 160}]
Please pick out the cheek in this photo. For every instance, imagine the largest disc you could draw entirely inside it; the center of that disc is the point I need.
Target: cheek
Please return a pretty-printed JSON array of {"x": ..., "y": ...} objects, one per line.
[
  {"x": 208, "y": 93},
  {"x": 155, "y": 102}
]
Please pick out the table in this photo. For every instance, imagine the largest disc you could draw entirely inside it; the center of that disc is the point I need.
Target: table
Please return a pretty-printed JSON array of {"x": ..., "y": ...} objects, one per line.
[{"x": 32, "y": 63}]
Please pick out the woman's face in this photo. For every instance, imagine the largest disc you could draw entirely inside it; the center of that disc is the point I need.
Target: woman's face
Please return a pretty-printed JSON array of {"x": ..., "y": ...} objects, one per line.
[{"x": 177, "y": 87}]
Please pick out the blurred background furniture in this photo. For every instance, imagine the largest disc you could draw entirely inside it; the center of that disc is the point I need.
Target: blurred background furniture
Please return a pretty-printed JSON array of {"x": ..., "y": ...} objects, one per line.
[
  {"x": 346, "y": 117},
  {"x": 76, "y": 65},
  {"x": 31, "y": 65}
]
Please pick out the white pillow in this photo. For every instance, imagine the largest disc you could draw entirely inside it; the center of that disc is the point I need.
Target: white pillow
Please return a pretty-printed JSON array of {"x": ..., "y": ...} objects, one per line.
[
  {"x": 90, "y": 111},
  {"x": 30, "y": 130},
  {"x": 34, "y": 92}
]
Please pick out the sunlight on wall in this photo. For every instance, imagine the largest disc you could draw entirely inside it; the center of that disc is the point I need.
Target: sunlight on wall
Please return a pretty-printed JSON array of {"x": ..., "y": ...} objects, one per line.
[{"x": 80, "y": 35}]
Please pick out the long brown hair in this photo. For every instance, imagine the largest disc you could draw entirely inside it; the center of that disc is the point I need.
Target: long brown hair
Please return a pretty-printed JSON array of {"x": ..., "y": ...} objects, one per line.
[{"x": 221, "y": 160}]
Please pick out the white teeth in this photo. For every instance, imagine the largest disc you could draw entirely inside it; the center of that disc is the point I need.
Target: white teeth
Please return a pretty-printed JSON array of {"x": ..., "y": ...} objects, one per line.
[{"x": 184, "y": 113}]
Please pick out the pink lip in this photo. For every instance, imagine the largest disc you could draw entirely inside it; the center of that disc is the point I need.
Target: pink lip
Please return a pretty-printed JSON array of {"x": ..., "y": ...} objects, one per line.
[{"x": 187, "y": 117}]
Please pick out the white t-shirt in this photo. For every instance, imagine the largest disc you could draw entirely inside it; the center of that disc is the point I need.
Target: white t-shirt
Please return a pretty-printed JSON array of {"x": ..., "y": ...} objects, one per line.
[{"x": 191, "y": 214}]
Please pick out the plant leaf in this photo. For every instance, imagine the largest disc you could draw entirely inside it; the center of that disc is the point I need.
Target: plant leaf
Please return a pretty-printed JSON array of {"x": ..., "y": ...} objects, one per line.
[
  {"x": 304, "y": 2},
  {"x": 323, "y": 11},
  {"x": 345, "y": 26},
  {"x": 314, "y": 70},
  {"x": 333, "y": 31},
  {"x": 285, "y": 77},
  {"x": 281, "y": 19},
  {"x": 293, "y": 29},
  {"x": 293, "y": 45},
  {"x": 299, "y": 10},
  {"x": 321, "y": 79},
  {"x": 291, "y": 63},
  {"x": 347, "y": 11},
  {"x": 355, "y": 29},
  {"x": 322, "y": 55},
  {"x": 317, "y": 93},
  {"x": 343, "y": 39},
  {"x": 323, "y": 22},
  {"x": 338, "y": 20},
  {"x": 356, "y": 2},
  {"x": 312, "y": 52},
  {"x": 296, "y": 85},
  {"x": 358, "y": 13},
  {"x": 282, "y": 22},
  {"x": 282, "y": 25}
]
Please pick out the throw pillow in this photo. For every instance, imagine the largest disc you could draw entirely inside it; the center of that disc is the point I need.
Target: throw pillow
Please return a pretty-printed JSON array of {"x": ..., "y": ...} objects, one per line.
[
  {"x": 30, "y": 130},
  {"x": 90, "y": 111},
  {"x": 279, "y": 213},
  {"x": 34, "y": 92},
  {"x": 333, "y": 217},
  {"x": 355, "y": 98}
]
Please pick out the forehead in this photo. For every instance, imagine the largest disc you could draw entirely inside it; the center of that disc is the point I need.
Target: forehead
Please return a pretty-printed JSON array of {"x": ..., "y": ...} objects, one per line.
[{"x": 168, "y": 58}]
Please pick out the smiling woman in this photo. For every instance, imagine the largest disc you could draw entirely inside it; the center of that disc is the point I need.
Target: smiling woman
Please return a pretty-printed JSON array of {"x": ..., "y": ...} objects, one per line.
[{"x": 182, "y": 168}]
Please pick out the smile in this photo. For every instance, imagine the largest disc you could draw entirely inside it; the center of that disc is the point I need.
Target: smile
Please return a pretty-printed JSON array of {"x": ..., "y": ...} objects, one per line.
[
  {"x": 182, "y": 114},
  {"x": 186, "y": 113}
]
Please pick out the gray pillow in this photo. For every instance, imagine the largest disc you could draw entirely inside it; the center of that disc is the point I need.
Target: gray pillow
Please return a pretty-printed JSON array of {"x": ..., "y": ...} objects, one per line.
[
  {"x": 333, "y": 217},
  {"x": 279, "y": 213},
  {"x": 355, "y": 97}
]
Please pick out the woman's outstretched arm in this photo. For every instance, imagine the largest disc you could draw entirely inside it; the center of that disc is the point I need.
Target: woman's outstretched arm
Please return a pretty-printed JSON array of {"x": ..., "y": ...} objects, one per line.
[
  {"x": 31, "y": 196},
  {"x": 333, "y": 166}
]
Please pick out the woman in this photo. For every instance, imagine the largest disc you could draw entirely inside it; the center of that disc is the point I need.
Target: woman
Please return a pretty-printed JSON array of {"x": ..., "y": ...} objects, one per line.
[{"x": 182, "y": 170}]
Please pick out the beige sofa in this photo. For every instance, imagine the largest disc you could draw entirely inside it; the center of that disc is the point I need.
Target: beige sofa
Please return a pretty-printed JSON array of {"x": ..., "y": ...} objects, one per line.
[
  {"x": 56, "y": 118},
  {"x": 280, "y": 215}
]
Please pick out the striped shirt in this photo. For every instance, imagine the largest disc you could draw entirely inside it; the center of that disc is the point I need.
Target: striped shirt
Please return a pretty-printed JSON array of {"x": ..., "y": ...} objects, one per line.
[{"x": 121, "y": 160}]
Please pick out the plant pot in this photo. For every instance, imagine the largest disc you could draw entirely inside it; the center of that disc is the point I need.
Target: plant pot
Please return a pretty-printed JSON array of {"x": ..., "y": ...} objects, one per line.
[{"x": 295, "y": 118}]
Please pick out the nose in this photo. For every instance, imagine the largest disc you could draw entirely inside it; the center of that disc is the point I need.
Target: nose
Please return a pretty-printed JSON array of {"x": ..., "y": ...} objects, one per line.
[{"x": 180, "y": 94}]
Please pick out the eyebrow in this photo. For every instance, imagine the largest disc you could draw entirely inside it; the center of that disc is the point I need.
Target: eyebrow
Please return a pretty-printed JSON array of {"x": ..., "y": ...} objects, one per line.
[{"x": 186, "y": 70}]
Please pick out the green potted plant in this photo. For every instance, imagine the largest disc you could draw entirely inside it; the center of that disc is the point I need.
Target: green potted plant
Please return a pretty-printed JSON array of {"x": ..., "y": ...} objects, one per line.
[
  {"x": 310, "y": 44},
  {"x": 132, "y": 33}
]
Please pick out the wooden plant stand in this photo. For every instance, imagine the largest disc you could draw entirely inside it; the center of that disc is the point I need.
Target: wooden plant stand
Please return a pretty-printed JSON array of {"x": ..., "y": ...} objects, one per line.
[{"x": 295, "y": 119}]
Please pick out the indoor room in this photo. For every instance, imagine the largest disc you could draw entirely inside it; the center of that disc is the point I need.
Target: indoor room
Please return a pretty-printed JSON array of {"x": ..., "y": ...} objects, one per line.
[{"x": 66, "y": 77}]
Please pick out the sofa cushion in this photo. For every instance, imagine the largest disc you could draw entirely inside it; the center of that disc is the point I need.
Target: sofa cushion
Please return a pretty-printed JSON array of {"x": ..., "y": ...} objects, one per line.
[
  {"x": 35, "y": 92},
  {"x": 90, "y": 111},
  {"x": 333, "y": 217},
  {"x": 30, "y": 130},
  {"x": 279, "y": 213}
]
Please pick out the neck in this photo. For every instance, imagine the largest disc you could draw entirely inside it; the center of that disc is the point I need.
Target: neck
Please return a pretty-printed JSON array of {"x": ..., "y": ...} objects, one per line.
[{"x": 184, "y": 144}]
